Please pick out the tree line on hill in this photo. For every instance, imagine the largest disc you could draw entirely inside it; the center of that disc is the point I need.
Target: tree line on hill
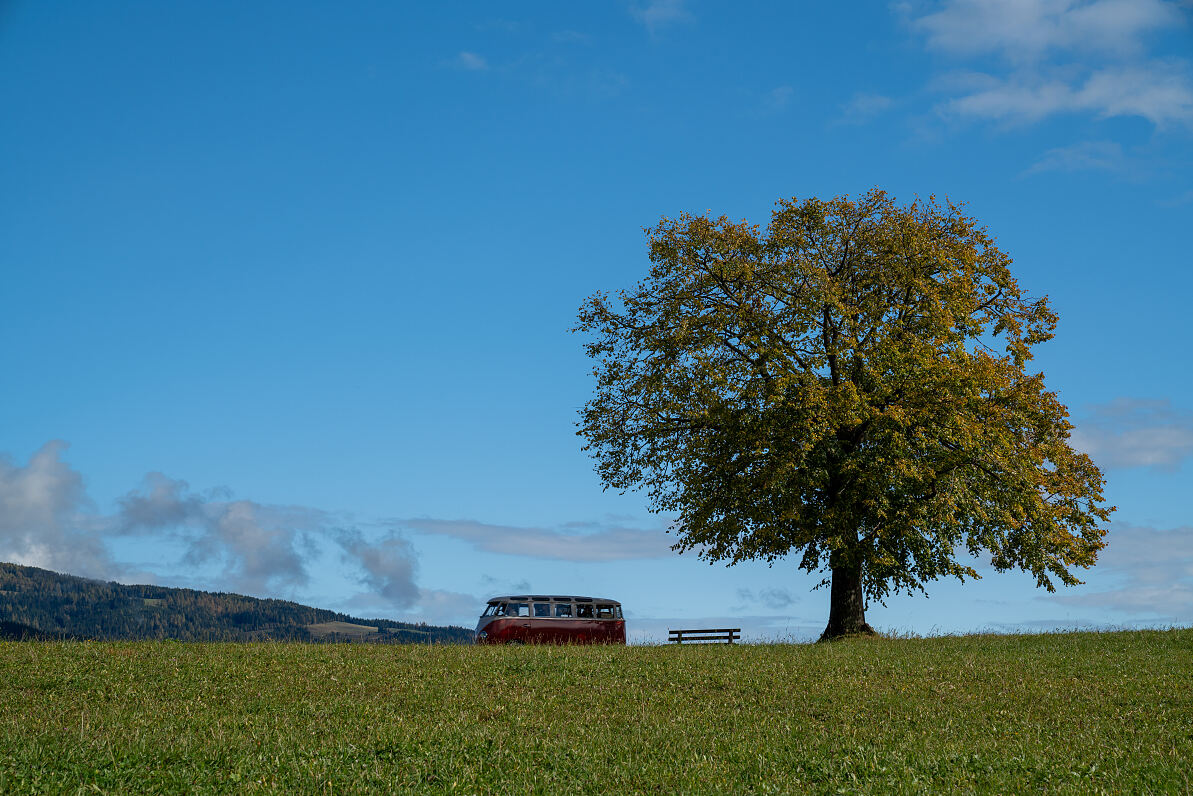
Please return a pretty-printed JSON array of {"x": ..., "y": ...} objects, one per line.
[{"x": 39, "y": 604}]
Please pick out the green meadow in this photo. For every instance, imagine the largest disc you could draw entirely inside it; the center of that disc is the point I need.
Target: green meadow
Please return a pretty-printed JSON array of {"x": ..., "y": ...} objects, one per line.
[{"x": 1080, "y": 713}]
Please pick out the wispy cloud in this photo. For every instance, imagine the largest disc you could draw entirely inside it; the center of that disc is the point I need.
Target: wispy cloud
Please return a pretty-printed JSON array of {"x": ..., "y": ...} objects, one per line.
[
  {"x": 470, "y": 61},
  {"x": 864, "y": 106},
  {"x": 434, "y": 606},
  {"x": 493, "y": 585},
  {"x": 1134, "y": 432},
  {"x": 1019, "y": 30},
  {"x": 1061, "y": 57},
  {"x": 1159, "y": 91},
  {"x": 387, "y": 566},
  {"x": 778, "y": 98},
  {"x": 259, "y": 547},
  {"x": 1084, "y": 156},
  {"x": 601, "y": 83},
  {"x": 573, "y": 542},
  {"x": 556, "y": 65},
  {"x": 775, "y": 599},
  {"x": 1155, "y": 570},
  {"x": 1178, "y": 200},
  {"x": 656, "y": 14},
  {"x": 442, "y": 606}
]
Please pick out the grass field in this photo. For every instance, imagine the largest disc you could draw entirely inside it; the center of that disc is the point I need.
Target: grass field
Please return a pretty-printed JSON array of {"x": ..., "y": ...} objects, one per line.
[{"x": 1083, "y": 712}]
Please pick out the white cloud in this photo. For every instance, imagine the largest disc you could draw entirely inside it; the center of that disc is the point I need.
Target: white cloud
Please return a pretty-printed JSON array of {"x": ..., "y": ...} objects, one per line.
[
  {"x": 46, "y": 517},
  {"x": 658, "y": 13},
  {"x": 1085, "y": 156},
  {"x": 1159, "y": 91},
  {"x": 574, "y": 542},
  {"x": 1064, "y": 56},
  {"x": 471, "y": 62},
  {"x": 1029, "y": 29},
  {"x": 1132, "y": 432}
]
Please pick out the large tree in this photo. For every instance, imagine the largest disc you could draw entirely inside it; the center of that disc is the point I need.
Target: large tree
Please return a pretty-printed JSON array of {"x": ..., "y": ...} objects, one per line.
[{"x": 851, "y": 385}]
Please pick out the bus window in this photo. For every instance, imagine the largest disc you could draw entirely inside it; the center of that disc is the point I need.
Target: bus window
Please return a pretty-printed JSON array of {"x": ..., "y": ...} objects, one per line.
[
  {"x": 604, "y": 612},
  {"x": 491, "y": 609},
  {"x": 617, "y": 611},
  {"x": 583, "y": 611},
  {"x": 542, "y": 609},
  {"x": 563, "y": 609},
  {"x": 513, "y": 609}
]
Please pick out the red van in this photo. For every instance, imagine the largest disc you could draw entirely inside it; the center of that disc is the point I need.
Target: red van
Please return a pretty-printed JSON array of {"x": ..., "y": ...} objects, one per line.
[{"x": 551, "y": 619}]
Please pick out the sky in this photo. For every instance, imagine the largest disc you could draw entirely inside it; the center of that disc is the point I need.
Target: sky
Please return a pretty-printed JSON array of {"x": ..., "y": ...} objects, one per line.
[{"x": 286, "y": 289}]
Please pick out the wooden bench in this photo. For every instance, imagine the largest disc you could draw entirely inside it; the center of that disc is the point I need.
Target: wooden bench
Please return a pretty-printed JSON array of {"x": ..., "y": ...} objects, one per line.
[{"x": 721, "y": 635}]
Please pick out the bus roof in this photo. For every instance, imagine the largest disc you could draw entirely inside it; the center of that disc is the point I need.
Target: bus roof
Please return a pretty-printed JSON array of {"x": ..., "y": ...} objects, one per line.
[{"x": 546, "y": 597}]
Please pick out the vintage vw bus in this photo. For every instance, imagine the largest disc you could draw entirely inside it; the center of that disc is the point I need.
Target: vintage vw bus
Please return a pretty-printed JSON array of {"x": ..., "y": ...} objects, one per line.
[{"x": 551, "y": 619}]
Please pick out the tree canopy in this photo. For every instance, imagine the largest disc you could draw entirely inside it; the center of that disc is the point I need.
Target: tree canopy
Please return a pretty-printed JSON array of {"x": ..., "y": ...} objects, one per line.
[{"x": 850, "y": 384}]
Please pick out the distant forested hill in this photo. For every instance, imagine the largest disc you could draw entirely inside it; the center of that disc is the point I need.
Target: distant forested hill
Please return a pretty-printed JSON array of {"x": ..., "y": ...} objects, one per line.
[{"x": 37, "y": 603}]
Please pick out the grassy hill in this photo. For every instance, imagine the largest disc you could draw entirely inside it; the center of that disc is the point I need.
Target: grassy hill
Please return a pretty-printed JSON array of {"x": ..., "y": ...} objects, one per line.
[
  {"x": 37, "y": 603},
  {"x": 1071, "y": 713}
]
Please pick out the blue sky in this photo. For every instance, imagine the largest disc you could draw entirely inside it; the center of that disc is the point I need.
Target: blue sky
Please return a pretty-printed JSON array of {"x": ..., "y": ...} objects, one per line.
[{"x": 287, "y": 287}]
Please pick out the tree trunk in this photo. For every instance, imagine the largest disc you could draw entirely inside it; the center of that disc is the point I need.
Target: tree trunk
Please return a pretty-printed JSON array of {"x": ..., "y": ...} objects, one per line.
[{"x": 847, "y": 605}]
